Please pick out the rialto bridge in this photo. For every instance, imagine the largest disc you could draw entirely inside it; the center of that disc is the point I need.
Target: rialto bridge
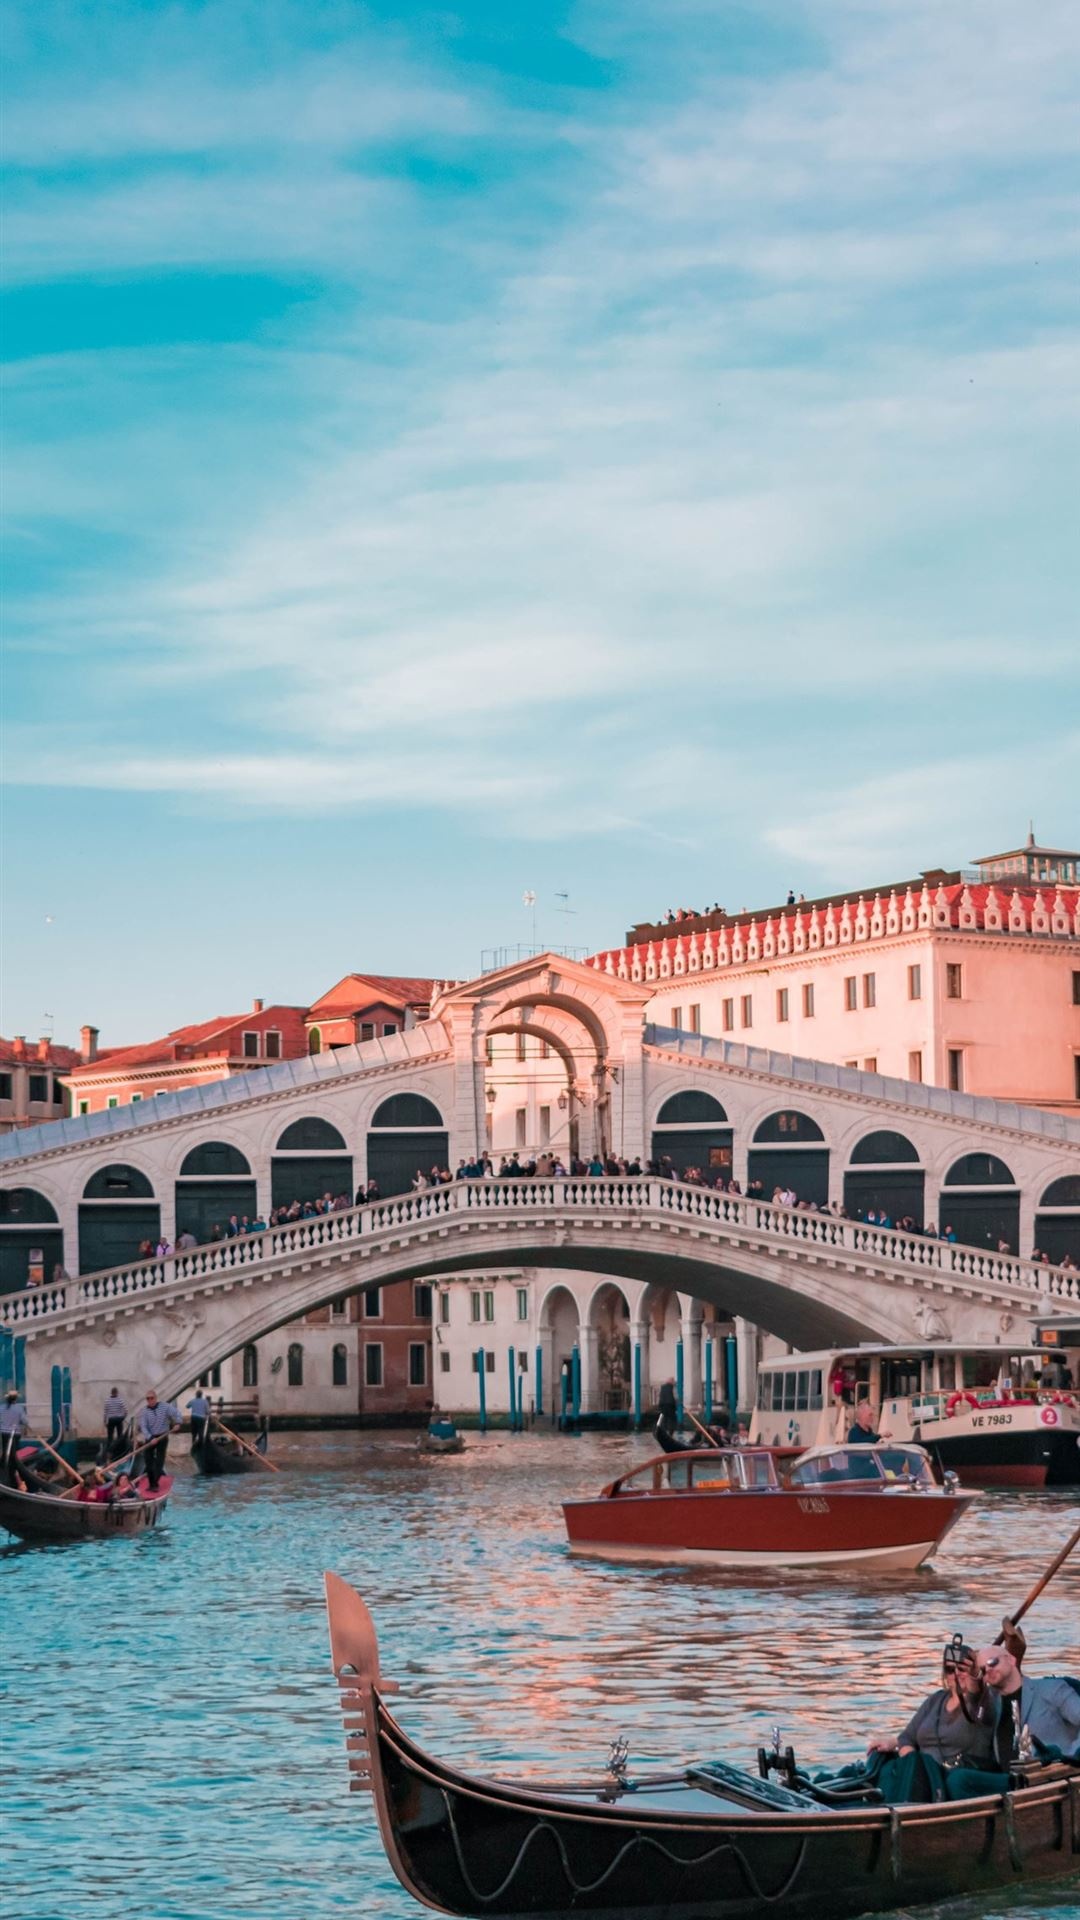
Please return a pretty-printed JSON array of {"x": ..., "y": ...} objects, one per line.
[{"x": 81, "y": 1189}]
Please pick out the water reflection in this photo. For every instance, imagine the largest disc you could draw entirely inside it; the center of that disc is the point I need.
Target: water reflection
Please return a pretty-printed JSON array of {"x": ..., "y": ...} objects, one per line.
[{"x": 169, "y": 1695}]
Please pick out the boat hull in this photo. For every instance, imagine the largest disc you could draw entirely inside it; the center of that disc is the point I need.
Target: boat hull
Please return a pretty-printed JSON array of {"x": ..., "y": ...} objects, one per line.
[
  {"x": 701, "y": 1844},
  {"x": 212, "y": 1461},
  {"x": 1008, "y": 1446},
  {"x": 41, "y": 1516},
  {"x": 809, "y": 1528}
]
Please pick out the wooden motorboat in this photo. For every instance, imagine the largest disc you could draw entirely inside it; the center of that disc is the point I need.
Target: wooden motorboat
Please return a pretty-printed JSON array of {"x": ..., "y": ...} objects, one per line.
[
  {"x": 218, "y": 1453},
  {"x": 833, "y": 1507},
  {"x": 708, "y": 1843},
  {"x": 441, "y": 1436},
  {"x": 47, "y": 1516}
]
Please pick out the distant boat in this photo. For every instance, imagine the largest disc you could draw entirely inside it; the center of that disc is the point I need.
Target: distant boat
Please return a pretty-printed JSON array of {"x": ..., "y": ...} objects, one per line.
[
  {"x": 47, "y": 1516},
  {"x": 832, "y": 1507},
  {"x": 706, "y": 1842},
  {"x": 441, "y": 1436},
  {"x": 220, "y": 1454}
]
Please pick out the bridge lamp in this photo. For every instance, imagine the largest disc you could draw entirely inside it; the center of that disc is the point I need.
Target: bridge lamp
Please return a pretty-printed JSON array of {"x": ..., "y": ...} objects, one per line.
[{"x": 491, "y": 1095}]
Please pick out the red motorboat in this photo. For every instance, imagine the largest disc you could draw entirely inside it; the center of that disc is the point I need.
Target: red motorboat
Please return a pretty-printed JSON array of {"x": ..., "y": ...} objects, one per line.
[{"x": 839, "y": 1507}]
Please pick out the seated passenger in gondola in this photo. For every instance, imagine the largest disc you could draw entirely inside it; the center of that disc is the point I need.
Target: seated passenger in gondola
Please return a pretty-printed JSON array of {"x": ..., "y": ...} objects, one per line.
[
  {"x": 124, "y": 1488},
  {"x": 95, "y": 1488},
  {"x": 1047, "y": 1709},
  {"x": 946, "y": 1751}
]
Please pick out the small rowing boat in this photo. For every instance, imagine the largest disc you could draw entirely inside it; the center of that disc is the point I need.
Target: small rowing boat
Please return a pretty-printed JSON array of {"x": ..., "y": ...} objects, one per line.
[
  {"x": 832, "y": 1507},
  {"x": 710, "y": 1842},
  {"x": 217, "y": 1454},
  {"x": 47, "y": 1516}
]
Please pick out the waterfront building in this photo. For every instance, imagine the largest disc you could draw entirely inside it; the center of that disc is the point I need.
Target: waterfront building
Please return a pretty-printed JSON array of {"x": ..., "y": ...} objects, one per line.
[
  {"x": 949, "y": 980},
  {"x": 32, "y": 1081},
  {"x": 192, "y": 1056},
  {"x": 366, "y": 1006}
]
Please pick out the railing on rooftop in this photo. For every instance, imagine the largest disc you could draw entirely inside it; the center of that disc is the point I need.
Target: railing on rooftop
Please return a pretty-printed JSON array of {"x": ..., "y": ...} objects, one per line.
[{"x": 561, "y": 1199}]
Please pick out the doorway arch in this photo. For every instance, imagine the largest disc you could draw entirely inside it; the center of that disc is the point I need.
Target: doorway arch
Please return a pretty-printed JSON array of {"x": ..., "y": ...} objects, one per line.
[
  {"x": 980, "y": 1201},
  {"x": 692, "y": 1130},
  {"x": 407, "y": 1136},
  {"x": 789, "y": 1150},
  {"x": 885, "y": 1176}
]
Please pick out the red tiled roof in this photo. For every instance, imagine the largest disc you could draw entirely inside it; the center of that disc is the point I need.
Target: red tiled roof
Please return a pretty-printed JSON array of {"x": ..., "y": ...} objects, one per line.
[
  {"x": 182, "y": 1040},
  {"x": 57, "y": 1056},
  {"x": 396, "y": 990}
]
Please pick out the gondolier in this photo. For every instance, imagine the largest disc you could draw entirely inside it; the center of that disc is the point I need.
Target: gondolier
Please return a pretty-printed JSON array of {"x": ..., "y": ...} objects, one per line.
[
  {"x": 155, "y": 1423},
  {"x": 199, "y": 1411},
  {"x": 115, "y": 1415},
  {"x": 13, "y": 1424}
]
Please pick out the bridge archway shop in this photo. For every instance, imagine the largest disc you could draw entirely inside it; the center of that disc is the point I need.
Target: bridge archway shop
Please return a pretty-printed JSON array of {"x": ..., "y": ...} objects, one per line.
[
  {"x": 311, "y": 1158},
  {"x": 981, "y": 1202},
  {"x": 118, "y": 1212},
  {"x": 1057, "y": 1223},
  {"x": 408, "y": 1136},
  {"x": 885, "y": 1175},
  {"x": 31, "y": 1239},
  {"x": 692, "y": 1130},
  {"x": 789, "y": 1151},
  {"x": 215, "y": 1180}
]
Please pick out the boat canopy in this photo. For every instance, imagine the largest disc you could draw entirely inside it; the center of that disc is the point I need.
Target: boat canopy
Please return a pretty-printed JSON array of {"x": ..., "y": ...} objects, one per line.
[
  {"x": 829, "y": 1466},
  {"x": 710, "y": 1470}
]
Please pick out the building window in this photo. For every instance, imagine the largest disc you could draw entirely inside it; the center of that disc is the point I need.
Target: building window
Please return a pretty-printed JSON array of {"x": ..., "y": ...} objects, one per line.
[
  {"x": 914, "y": 1066},
  {"x": 339, "y": 1309},
  {"x": 746, "y": 1010},
  {"x": 474, "y": 1307},
  {"x": 808, "y": 1000},
  {"x": 1076, "y": 987},
  {"x": 367, "y": 1030},
  {"x": 389, "y": 1027},
  {"x": 727, "y": 1015},
  {"x": 869, "y": 989},
  {"x": 39, "y": 1086},
  {"x": 782, "y": 1003},
  {"x": 57, "y": 1093},
  {"x": 421, "y": 1301},
  {"x": 339, "y": 1367},
  {"x": 523, "y": 1362},
  {"x": 417, "y": 1364},
  {"x": 523, "y": 1303},
  {"x": 489, "y": 1050},
  {"x": 956, "y": 1070},
  {"x": 522, "y": 1046},
  {"x": 489, "y": 1363},
  {"x": 135, "y": 1098},
  {"x": 444, "y": 1361},
  {"x": 914, "y": 983},
  {"x": 954, "y": 980},
  {"x": 695, "y": 1019},
  {"x": 5, "y": 1078},
  {"x": 112, "y": 1100},
  {"x": 545, "y": 1125},
  {"x": 851, "y": 993},
  {"x": 295, "y": 1365},
  {"x": 314, "y": 1041},
  {"x": 521, "y": 1121},
  {"x": 1076, "y": 1075},
  {"x": 372, "y": 1303},
  {"x": 545, "y": 1050},
  {"x": 211, "y": 1379},
  {"x": 84, "y": 1106},
  {"x": 870, "y": 1066},
  {"x": 852, "y": 1063},
  {"x": 489, "y": 1304},
  {"x": 251, "y": 1046},
  {"x": 273, "y": 1045},
  {"x": 373, "y": 1364},
  {"x": 444, "y": 1307},
  {"x": 250, "y": 1365}
]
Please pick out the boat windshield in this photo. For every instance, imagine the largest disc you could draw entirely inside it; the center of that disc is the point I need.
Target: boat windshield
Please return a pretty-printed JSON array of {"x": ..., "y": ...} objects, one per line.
[
  {"x": 886, "y": 1465},
  {"x": 713, "y": 1472}
]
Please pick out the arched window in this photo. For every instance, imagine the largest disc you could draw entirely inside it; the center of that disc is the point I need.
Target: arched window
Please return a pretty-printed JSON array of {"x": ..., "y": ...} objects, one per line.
[
  {"x": 314, "y": 1041},
  {"x": 787, "y": 1129},
  {"x": 979, "y": 1170},
  {"x": 251, "y": 1366},
  {"x": 311, "y": 1135},
  {"x": 339, "y": 1362},
  {"x": 118, "y": 1183},
  {"x": 689, "y": 1109},
  {"x": 1060, "y": 1193},
  {"x": 876, "y": 1149},
  {"x": 214, "y": 1157},
  {"x": 407, "y": 1110},
  {"x": 295, "y": 1365},
  {"x": 22, "y": 1207}
]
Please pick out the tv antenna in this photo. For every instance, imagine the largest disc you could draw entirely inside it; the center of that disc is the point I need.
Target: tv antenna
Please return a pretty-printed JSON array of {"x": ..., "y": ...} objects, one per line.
[
  {"x": 566, "y": 907},
  {"x": 528, "y": 899}
]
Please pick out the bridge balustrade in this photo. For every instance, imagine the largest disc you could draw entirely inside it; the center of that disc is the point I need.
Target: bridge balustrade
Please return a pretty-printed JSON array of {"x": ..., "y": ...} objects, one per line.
[{"x": 578, "y": 1196}]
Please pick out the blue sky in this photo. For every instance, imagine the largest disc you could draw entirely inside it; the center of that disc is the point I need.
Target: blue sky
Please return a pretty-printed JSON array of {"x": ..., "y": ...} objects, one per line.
[{"x": 626, "y": 451}]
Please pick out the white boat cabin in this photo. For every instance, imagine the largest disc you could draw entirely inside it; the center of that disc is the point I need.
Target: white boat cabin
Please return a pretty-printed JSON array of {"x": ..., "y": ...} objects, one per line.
[{"x": 809, "y": 1399}]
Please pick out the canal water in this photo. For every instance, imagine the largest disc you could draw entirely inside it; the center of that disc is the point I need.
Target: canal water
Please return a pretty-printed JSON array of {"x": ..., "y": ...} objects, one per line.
[{"x": 171, "y": 1730}]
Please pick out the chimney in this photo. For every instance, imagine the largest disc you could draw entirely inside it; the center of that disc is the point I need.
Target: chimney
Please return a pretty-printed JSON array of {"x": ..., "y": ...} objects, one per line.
[
  {"x": 256, "y": 1006},
  {"x": 18, "y": 1046},
  {"x": 43, "y": 1047},
  {"x": 88, "y": 1044}
]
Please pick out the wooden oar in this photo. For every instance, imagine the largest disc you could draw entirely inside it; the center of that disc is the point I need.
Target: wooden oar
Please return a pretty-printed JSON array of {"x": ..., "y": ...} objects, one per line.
[
  {"x": 1058, "y": 1561},
  {"x": 711, "y": 1438},
  {"x": 248, "y": 1448},
  {"x": 66, "y": 1464}
]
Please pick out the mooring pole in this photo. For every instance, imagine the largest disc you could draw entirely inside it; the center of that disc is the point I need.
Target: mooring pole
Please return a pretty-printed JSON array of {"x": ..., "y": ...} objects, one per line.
[{"x": 481, "y": 1364}]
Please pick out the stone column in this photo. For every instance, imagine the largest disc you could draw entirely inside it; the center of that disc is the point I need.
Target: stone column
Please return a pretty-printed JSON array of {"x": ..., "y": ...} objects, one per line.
[
  {"x": 589, "y": 1387},
  {"x": 1029, "y": 1206},
  {"x": 639, "y": 1341},
  {"x": 747, "y": 1342},
  {"x": 690, "y": 1311}
]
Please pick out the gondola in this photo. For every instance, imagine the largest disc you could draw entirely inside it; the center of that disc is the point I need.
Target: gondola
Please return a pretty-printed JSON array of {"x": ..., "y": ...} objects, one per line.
[
  {"x": 213, "y": 1456},
  {"x": 47, "y": 1516},
  {"x": 710, "y": 1842}
]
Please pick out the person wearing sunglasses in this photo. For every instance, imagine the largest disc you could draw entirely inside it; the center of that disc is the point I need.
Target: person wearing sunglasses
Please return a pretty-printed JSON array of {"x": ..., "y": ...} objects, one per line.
[{"x": 1049, "y": 1708}]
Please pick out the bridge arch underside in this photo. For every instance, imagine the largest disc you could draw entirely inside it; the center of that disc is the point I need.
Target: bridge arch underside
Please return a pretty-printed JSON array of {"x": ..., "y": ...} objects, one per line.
[{"x": 800, "y": 1304}]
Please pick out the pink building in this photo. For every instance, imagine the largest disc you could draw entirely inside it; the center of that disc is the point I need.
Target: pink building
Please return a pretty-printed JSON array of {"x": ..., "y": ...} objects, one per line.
[
  {"x": 31, "y": 1081},
  {"x": 186, "y": 1057}
]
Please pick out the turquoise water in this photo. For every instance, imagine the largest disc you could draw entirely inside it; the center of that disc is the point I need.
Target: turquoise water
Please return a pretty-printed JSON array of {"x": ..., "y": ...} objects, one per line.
[{"x": 174, "y": 1729}]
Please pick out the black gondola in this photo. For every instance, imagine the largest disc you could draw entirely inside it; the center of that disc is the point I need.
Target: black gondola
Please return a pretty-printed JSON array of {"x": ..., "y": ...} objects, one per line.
[
  {"x": 215, "y": 1454},
  {"x": 708, "y": 1843}
]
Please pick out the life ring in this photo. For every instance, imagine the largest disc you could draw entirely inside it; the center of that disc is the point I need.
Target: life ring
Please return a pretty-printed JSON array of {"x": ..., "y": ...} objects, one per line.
[
  {"x": 1064, "y": 1399},
  {"x": 1049, "y": 1416},
  {"x": 955, "y": 1399}
]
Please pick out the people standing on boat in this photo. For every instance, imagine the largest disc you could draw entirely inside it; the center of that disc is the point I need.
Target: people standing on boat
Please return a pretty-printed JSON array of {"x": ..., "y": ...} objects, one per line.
[
  {"x": 862, "y": 1432},
  {"x": 668, "y": 1407},
  {"x": 199, "y": 1411},
  {"x": 1048, "y": 1709},
  {"x": 115, "y": 1415},
  {"x": 13, "y": 1424},
  {"x": 155, "y": 1423}
]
